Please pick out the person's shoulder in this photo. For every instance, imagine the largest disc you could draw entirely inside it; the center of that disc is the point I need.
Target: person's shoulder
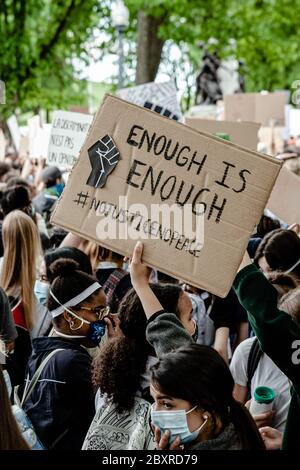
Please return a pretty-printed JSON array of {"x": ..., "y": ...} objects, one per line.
[
  {"x": 72, "y": 364},
  {"x": 243, "y": 349}
]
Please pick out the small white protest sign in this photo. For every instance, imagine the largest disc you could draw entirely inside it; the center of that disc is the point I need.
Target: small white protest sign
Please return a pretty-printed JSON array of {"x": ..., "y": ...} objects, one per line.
[
  {"x": 14, "y": 130},
  {"x": 68, "y": 134}
]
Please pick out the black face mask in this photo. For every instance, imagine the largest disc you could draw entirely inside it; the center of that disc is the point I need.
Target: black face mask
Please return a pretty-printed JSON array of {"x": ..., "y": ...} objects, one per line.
[{"x": 195, "y": 335}]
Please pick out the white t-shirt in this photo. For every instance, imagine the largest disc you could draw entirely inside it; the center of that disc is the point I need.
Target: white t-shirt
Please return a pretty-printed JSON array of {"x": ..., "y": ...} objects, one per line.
[{"x": 267, "y": 374}]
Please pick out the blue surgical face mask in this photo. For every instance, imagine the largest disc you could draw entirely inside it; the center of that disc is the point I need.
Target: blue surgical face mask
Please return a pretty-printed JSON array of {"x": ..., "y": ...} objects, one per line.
[
  {"x": 175, "y": 421},
  {"x": 41, "y": 291}
]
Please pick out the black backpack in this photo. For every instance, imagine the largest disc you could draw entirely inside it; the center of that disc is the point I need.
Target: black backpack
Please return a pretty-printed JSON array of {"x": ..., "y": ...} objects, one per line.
[{"x": 253, "y": 360}]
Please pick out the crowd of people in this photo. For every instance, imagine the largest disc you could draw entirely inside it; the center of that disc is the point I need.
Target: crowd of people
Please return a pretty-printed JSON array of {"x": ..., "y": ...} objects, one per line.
[{"x": 103, "y": 353}]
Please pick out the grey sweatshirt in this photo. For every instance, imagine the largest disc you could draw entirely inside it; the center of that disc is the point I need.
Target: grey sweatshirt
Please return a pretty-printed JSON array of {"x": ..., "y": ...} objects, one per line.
[{"x": 165, "y": 333}]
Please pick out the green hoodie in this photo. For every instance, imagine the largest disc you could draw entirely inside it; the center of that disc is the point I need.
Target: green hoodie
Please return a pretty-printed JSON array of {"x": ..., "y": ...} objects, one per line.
[{"x": 279, "y": 337}]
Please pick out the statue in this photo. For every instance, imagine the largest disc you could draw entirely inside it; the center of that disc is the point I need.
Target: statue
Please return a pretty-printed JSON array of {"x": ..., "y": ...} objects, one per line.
[
  {"x": 208, "y": 89},
  {"x": 218, "y": 78}
]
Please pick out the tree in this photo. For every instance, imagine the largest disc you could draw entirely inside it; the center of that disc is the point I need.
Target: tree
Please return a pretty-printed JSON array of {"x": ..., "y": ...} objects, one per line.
[
  {"x": 179, "y": 20},
  {"x": 38, "y": 41},
  {"x": 267, "y": 34}
]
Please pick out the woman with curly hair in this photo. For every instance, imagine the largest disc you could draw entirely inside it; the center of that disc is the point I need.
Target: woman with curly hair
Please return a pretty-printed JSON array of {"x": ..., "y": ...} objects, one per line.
[{"x": 121, "y": 374}]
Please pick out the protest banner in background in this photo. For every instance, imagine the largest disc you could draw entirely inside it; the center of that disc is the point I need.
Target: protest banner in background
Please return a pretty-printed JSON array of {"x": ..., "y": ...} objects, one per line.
[
  {"x": 292, "y": 122},
  {"x": 38, "y": 138},
  {"x": 68, "y": 133},
  {"x": 14, "y": 130},
  {"x": 265, "y": 108},
  {"x": 159, "y": 97},
  {"x": 2, "y": 146},
  {"x": 242, "y": 133},
  {"x": 24, "y": 145},
  {"x": 134, "y": 162},
  {"x": 272, "y": 139},
  {"x": 284, "y": 199}
]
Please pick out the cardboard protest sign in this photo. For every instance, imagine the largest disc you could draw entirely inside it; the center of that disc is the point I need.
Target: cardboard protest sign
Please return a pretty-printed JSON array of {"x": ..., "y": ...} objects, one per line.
[
  {"x": 284, "y": 199},
  {"x": 14, "y": 130},
  {"x": 159, "y": 97},
  {"x": 272, "y": 138},
  {"x": 159, "y": 163},
  {"x": 242, "y": 133},
  {"x": 68, "y": 133},
  {"x": 264, "y": 108},
  {"x": 24, "y": 145}
]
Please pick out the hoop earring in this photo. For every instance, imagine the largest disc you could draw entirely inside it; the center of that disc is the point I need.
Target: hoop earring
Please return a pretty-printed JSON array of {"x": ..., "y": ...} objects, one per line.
[{"x": 72, "y": 323}]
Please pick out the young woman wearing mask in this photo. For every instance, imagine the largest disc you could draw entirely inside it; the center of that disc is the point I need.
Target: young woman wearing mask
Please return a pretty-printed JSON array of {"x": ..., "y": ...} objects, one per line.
[
  {"x": 121, "y": 373},
  {"x": 192, "y": 385},
  {"x": 61, "y": 406}
]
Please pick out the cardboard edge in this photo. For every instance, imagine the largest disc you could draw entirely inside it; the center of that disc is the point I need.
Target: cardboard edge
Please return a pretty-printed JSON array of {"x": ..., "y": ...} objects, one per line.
[
  {"x": 253, "y": 124},
  {"x": 204, "y": 134},
  {"x": 129, "y": 255}
]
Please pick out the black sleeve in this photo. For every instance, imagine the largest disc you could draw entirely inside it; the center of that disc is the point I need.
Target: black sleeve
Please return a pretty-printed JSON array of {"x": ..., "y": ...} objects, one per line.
[{"x": 228, "y": 312}]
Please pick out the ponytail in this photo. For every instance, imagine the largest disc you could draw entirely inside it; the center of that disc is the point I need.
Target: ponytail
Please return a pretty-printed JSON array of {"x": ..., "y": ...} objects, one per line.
[{"x": 245, "y": 427}]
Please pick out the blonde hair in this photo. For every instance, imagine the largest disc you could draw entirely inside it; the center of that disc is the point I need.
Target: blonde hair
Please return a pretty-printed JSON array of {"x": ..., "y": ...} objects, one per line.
[
  {"x": 22, "y": 248},
  {"x": 283, "y": 282},
  {"x": 290, "y": 303},
  {"x": 288, "y": 292}
]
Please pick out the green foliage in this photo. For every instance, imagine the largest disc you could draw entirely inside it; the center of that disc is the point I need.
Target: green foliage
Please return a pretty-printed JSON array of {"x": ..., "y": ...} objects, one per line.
[
  {"x": 267, "y": 33},
  {"x": 268, "y": 37},
  {"x": 38, "y": 40}
]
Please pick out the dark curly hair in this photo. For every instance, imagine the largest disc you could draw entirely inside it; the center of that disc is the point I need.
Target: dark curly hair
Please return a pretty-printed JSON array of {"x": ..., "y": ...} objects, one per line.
[{"x": 117, "y": 368}]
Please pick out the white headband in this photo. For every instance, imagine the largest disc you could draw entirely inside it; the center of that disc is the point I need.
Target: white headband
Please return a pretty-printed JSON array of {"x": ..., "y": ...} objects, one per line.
[
  {"x": 292, "y": 268},
  {"x": 76, "y": 300}
]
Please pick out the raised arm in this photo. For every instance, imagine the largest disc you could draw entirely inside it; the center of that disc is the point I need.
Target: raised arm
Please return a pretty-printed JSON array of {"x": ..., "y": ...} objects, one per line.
[
  {"x": 278, "y": 333},
  {"x": 164, "y": 330}
]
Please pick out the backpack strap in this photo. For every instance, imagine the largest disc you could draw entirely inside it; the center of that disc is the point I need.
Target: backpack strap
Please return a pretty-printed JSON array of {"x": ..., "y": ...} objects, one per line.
[
  {"x": 254, "y": 357},
  {"x": 30, "y": 385},
  {"x": 111, "y": 283}
]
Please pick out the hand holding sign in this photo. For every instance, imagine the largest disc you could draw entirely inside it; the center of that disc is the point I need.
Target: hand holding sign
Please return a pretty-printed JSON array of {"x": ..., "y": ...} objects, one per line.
[{"x": 139, "y": 273}]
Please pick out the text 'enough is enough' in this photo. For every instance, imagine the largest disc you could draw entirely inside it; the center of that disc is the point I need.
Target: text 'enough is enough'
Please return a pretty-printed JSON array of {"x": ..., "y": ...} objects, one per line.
[{"x": 184, "y": 157}]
